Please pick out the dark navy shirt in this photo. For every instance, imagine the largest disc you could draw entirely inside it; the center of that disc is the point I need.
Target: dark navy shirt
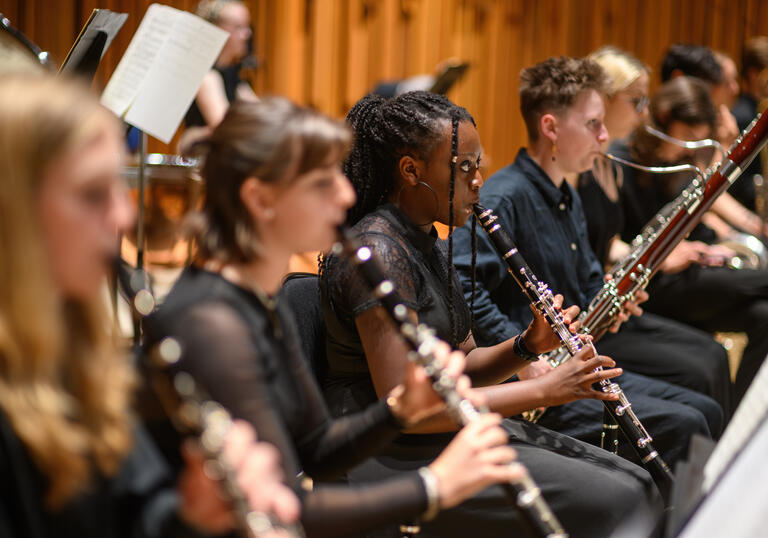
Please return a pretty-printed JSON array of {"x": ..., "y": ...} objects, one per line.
[{"x": 548, "y": 226}]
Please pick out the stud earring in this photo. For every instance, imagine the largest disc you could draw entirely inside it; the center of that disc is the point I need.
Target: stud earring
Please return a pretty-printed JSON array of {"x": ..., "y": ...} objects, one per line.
[{"x": 269, "y": 213}]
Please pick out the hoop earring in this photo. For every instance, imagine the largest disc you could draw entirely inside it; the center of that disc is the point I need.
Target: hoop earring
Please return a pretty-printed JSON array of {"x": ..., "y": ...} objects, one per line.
[{"x": 434, "y": 194}]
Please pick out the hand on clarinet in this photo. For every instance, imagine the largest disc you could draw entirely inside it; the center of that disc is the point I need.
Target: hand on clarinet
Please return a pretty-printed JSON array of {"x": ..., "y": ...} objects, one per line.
[
  {"x": 573, "y": 379},
  {"x": 415, "y": 400},
  {"x": 539, "y": 337},
  {"x": 476, "y": 458},
  {"x": 204, "y": 504},
  {"x": 629, "y": 309}
]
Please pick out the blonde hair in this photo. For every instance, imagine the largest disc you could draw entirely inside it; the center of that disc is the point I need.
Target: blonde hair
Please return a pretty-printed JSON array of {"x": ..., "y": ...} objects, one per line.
[
  {"x": 622, "y": 68},
  {"x": 63, "y": 386}
]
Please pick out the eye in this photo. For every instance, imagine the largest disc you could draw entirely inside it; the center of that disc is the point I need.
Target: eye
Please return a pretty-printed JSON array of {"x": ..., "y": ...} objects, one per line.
[
  {"x": 95, "y": 195},
  {"x": 468, "y": 166},
  {"x": 323, "y": 183}
]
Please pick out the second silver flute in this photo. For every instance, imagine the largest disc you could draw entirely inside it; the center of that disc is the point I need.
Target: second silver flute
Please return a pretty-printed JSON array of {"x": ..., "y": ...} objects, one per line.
[
  {"x": 539, "y": 294},
  {"x": 524, "y": 493}
]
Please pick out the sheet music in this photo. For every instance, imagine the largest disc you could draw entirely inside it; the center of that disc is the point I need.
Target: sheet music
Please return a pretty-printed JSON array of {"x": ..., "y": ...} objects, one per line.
[
  {"x": 175, "y": 75},
  {"x": 162, "y": 69},
  {"x": 752, "y": 411},
  {"x": 100, "y": 20},
  {"x": 736, "y": 507}
]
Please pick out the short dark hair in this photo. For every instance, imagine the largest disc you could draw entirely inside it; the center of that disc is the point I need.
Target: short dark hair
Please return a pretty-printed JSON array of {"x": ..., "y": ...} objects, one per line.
[
  {"x": 271, "y": 139},
  {"x": 554, "y": 85},
  {"x": 755, "y": 54},
  {"x": 693, "y": 61}
]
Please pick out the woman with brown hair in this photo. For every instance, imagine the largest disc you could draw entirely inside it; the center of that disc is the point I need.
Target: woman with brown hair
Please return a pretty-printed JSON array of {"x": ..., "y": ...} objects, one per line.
[
  {"x": 274, "y": 188},
  {"x": 73, "y": 459}
]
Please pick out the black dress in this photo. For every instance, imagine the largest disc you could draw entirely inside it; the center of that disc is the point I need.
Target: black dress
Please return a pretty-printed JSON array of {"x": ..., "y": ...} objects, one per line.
[
  {"x": 245, "y": 351},
  {"x": 230, "y": 76},
  {"x": 563, "y": 467},
  {"x": 140, "y": 501}
]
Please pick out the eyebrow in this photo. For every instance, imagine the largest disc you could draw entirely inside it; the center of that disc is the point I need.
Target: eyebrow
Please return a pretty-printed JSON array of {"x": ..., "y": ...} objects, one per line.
[{"x": 471, "y": 154}]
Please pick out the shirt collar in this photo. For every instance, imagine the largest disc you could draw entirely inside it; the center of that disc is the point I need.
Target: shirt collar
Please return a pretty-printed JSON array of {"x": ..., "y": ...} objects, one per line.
[
  {"x": 422, "y": 240},
  {"x": 554, "y": 196}
]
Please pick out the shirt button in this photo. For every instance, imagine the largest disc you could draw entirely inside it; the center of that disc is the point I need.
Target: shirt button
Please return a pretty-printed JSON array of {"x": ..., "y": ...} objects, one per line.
[
  {"x": 561, "y": 207},
  {"x": 573, "y": 246}
]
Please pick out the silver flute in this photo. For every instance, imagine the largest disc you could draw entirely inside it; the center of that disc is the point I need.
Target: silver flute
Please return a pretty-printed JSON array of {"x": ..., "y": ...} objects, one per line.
[
  {"x": 192, "y": 411},
  {"x": 523, "y": 493}
]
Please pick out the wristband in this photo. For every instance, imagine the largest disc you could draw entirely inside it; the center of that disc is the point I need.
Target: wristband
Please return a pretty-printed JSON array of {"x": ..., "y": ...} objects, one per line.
[
  {"x": 521, "y": 350},
  {"x": 429, "y": 480}
]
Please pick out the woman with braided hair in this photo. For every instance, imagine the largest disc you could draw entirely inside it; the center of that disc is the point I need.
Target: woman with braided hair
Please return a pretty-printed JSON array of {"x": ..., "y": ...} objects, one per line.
[{"x": 414, "y": 161}]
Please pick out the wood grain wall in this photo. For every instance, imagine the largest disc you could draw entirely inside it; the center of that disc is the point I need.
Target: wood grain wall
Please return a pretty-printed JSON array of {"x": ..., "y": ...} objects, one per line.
[{"x": 328, "y": 53}]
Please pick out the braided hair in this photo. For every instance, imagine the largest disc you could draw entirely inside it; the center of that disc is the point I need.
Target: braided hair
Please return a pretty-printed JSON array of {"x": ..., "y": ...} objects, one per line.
[{"x": 385, "y": 131}]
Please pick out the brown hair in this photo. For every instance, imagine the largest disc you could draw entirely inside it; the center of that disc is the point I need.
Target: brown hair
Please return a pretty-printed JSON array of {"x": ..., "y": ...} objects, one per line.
[
  {"x": 554, "y": 85},
  {"x": 63, "y": 386},
  {"x": 755, "y": 54},
  {"x": 273, "y": 140},
  {"x": 683, "y": 99}
]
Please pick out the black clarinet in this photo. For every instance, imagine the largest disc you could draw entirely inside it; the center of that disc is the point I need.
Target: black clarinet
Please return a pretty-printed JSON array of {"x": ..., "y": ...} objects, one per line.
[
  {"x": 524, "y": 493},
  {"x": 193, "y": 412},
  {"x": 542, "y": 298}
]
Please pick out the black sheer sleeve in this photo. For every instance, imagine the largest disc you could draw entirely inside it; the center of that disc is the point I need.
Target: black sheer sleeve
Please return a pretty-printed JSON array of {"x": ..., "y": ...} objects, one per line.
[
  {"x": 396, "y": 500},
  {"x": 328, "y": 447},
  {"x": 290, "y": 413},
  {"x": 219, "y": 352},
  {"x": 349, "y": 294}
]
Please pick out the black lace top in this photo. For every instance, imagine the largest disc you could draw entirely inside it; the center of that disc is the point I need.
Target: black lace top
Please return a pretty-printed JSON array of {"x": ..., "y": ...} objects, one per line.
[
  {"x": 246, "y": 353},
  {"x": 417, "y": 264}
]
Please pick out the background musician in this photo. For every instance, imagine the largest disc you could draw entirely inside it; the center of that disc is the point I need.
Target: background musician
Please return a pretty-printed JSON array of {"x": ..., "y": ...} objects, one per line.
[
  {"x": 561, "y": 101},
  {"x": 603, "y": 196},
  {"x": 223, "y": 84},
  {"x": 694, "y": 292},
  {"x": 727, "y": 214},
  {"x": 754, "y": 90},
  {"x": 74, "y": 461}
]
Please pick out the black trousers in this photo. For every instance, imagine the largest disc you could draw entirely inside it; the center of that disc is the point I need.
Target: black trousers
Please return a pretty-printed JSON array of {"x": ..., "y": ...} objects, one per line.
[
  {"x": 671, "y": 414},
  {"x": 591, "y": 491},
  {"x": 719, "y": 299},
  {"x": 674, "y": 352}
]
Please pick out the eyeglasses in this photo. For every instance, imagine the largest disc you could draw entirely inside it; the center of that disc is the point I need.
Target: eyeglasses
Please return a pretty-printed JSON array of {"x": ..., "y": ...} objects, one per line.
[{"x": 640, "y": 102}]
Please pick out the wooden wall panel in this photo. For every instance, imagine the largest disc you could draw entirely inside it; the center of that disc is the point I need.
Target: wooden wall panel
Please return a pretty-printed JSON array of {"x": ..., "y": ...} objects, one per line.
[{"x": 328, "y": 53}]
